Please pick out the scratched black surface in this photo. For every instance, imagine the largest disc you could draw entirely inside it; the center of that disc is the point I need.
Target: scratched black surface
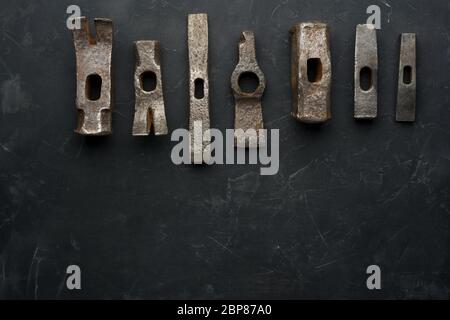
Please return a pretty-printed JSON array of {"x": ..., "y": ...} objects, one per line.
[{"x": 347, "y": 195}]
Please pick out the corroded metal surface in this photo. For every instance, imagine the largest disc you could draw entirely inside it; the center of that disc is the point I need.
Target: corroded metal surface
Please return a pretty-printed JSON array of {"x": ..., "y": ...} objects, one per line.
[
  {"x": 93, "y": 55},
  {"x": 198, "y": 83},
  {"x": 311, "y": 94},
  {"x": 366, "y": 60},
  {"x": 406, "y": 91},
  {"x": 149, "y": 105},
  {"x": 248, "y": 110}
]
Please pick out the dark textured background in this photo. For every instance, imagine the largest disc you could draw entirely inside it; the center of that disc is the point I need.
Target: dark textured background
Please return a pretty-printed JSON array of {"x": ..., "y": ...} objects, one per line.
[{"x": 348, "y": 194}]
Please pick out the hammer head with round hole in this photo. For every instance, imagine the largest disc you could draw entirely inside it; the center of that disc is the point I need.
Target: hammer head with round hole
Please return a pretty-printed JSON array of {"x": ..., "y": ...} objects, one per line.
[
  {"x": 149, "y": 105},
  {"x": 248, "y": 119}
]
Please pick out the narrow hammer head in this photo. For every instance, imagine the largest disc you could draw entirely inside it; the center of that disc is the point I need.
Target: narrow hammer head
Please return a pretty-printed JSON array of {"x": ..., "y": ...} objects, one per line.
[
  {"x": 406, "y": 90},
  {"x": 198, "y": 83},
  {"x": 366, "y": 71}
]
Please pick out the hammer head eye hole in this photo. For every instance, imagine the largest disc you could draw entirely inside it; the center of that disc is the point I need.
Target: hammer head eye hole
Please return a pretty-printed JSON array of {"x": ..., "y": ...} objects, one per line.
[
  {"x": 248, "y": 82},
  {"x": 365, "y": 78},
  {"x": 314, "y": 69},
  {"x": 407, "y": 75},
  {"x": 148, "y": 81},
  {"x": 93, "y": 87},
  {"x": 199, "y": 88}
]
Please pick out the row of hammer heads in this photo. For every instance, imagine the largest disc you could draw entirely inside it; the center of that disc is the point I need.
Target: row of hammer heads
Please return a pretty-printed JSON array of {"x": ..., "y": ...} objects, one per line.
[{"x": 310, "y": 78}]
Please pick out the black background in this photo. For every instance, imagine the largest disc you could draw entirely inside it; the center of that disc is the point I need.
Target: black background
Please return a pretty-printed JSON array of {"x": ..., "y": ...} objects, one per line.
[{"x": 348, "y": 194}]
